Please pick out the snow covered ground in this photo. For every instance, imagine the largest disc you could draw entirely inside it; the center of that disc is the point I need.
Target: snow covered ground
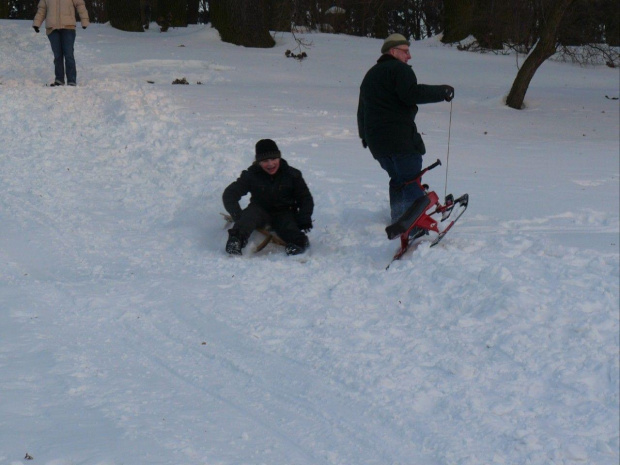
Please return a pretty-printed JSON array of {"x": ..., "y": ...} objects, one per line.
[{"x": 128, "y": 336}]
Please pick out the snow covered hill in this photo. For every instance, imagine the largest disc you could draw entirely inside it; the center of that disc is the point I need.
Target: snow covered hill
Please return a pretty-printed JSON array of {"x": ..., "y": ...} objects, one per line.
[{"x": 129, "y": 336}]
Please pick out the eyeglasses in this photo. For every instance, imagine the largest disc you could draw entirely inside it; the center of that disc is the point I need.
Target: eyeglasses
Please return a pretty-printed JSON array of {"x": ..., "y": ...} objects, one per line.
[{"x": 405, "y": 51}]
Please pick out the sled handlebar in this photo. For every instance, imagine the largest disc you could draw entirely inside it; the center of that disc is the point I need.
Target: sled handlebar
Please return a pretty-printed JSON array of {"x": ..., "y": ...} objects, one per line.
[
  {"x": 434, "y": 165},
  {"x": 417, "y": 177}
]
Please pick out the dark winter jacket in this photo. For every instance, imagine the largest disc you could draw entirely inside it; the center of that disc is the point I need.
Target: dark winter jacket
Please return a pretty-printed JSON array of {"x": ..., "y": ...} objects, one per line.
[
  {"x": 284, "y": 191},
  {"x": 388, "y": 103}
]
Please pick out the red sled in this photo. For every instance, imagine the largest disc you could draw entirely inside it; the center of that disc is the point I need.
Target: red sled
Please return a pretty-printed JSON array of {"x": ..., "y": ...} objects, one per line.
[{"x": 418, "y": 220}]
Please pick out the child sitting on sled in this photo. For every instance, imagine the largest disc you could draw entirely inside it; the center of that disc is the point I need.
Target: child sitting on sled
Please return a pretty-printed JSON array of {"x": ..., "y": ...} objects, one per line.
[{"x": 279, "y": 198}]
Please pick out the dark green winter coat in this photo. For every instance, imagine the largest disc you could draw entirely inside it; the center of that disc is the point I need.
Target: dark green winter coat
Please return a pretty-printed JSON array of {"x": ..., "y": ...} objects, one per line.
[
  {"x": 284, "y": 191},
  {"x": 388, "y": 103}
]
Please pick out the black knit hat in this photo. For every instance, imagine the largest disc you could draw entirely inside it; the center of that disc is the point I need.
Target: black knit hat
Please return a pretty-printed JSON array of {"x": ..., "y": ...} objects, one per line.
[{"x": 266, "y": 148}]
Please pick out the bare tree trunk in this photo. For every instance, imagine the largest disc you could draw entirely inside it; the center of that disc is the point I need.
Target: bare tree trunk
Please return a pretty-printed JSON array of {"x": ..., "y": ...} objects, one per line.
[
  {"x": 279, "y": 14},
  {"x": 458, "y": 17},
  {"x": 192, "y": 11},
  {"x": 97, "y": 11},
  {"x": 380, "y": 26},
  {"x": 544, "y": 49},
  {"x": 125, "y": 15},
  {"x": 241, "y": 22},
  {"x": 611, "y": 23},
  {"x": 172, "y": 13},
  {"x": 489, "y": 24},
  {"x": 4, "y": 9}
]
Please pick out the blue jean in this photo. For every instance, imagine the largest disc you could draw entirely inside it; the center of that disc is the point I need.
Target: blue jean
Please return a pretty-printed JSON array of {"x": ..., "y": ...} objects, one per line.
[
  {"x": 62, "y": 41},
  {"x": 401, "y": 169}
]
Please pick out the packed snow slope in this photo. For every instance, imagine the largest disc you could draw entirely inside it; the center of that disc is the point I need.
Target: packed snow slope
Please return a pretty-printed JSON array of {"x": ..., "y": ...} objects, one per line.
[{"x": 129, "y": 336}]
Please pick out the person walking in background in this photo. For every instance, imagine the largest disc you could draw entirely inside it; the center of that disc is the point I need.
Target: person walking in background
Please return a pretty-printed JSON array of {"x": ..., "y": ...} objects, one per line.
[
  {"x": 59, "y": 17},
  {"x": 388, "y": 104}
]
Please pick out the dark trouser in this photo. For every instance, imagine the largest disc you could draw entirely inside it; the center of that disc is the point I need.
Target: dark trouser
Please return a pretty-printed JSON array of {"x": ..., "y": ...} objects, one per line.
[
  {"x": 401, "y": 169},
  {"x": 282, "y": 223},
  {"x": 62, "y": 41}
]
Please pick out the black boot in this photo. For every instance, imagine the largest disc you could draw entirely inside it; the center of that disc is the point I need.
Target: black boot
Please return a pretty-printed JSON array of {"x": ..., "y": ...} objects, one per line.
[
  {"x": 235, "y": 244},
  {"x": 296, "y": 249}
]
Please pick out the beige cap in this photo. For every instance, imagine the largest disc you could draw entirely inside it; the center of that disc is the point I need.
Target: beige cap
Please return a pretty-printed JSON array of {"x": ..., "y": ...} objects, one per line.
[{"x": 394, "y": 40}]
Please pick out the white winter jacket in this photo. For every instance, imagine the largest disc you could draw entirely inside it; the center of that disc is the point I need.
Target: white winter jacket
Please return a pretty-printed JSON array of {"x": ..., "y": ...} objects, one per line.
[{"x": 60, "y": 14}]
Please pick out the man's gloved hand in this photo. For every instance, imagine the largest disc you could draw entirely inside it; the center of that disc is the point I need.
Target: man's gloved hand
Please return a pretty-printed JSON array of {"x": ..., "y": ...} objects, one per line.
[
  {"x": 36, "y": 29},
  {"x": 364, "y": 144},
  {"x": 448, "y": 92}
]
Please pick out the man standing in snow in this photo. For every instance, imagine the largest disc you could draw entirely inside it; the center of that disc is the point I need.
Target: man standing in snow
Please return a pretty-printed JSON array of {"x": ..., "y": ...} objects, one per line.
[
  {"x": 59, "y": 17},
  {"x": 279, "y": 197},
  {"x": 388, "y": 103}
]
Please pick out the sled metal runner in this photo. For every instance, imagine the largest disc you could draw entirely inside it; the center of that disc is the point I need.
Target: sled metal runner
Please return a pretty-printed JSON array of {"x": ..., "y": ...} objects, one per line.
[{"x": 419, "y": 219}]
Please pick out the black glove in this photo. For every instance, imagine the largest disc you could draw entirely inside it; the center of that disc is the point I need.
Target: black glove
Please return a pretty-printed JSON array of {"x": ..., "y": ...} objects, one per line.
[
  {"x": 36, "y": 29},
  {"x": 448, "y": 92},
  {"x": 83, "y": 27},
  {"x": 364, "y": 144},
  {"x": 306, "y": 227}
]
